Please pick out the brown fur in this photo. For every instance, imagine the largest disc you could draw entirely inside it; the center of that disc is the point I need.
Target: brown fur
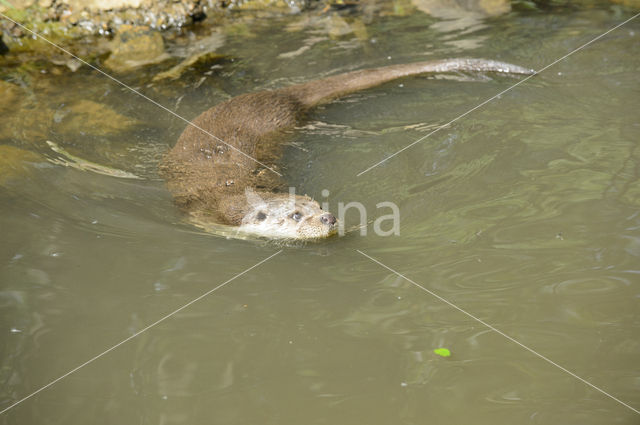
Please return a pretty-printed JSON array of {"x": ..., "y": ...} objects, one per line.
[
  {"x": 209, "y": 178},
  {"x": 207, "y": 175}
]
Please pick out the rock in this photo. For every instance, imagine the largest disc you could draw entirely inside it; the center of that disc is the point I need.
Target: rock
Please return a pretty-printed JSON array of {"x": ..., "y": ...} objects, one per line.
[
  {"x": 334, "y": 25},
  {"x": 176, "y": 71},
  {"x": 80, "y": 117},
  {"x": 494, "y": 7},
  {"x": 134, "y": 47},
  {"x": 337, "y": 26},
  {"x": 9, "y": 98},
  {"x": 458, "y": 9},
  {"x": 88, "y": 117},
  {"x": 13, "y": 162},
  {"x": 307, "y": 44},
  {"x": 17, "y": 4},
  {"x": 100, "y": 5},
  {"x": 634, "y": 4},
  {"x": 202, "y": 50},
  {"x": 462, "y": 15},
  {"x": 104, "y": 17},
  {"x": 18, "y": 122},
  {"x": 72, "y": 63},
  {"x": 292, "y": 5}
]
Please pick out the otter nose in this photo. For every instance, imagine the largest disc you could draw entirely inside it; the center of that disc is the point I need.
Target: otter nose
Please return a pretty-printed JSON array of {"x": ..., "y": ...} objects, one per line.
[{"x": 328, "y": 219}]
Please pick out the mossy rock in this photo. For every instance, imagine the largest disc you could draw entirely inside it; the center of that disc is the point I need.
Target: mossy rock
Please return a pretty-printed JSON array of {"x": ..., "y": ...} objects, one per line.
[
  {"x": 134, "y": 47},
  {"x": 14, "y": 162},
  {"x": 9, "y": 97},
  {"x": 451, "y": 9},
  {"x": 88, "y": 117},
  {"x": 36, "y": 19},
  {"x": 266, "y": 4},
  {"x": 633, "y": 4}
]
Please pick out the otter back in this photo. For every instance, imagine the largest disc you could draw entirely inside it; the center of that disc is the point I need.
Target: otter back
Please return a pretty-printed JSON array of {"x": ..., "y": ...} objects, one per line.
[{"x": 208, "y": 176}]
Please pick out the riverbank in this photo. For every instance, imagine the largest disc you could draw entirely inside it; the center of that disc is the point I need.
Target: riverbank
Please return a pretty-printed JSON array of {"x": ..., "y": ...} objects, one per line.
[
  {"x": 128, "y": 34},
  {"x": 104, "y": 17}
]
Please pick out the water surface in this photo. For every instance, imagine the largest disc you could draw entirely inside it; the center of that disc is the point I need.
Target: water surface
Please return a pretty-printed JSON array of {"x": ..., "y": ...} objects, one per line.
[{"x": 525, "y": 213}]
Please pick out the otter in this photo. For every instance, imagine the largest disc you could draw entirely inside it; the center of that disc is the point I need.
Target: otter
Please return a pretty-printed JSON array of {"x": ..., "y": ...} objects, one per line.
[{"x": 223, "y": 169}]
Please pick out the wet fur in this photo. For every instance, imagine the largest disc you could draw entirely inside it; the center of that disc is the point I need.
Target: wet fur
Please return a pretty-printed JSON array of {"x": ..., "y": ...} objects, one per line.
[{"x": 208, "y": 179}]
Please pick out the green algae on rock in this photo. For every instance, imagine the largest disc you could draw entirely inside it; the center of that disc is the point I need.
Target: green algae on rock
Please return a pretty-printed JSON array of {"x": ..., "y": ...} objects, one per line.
[
  {"x": 14, "y": 162},
  {"x": 9, "y": 95},
  {"x": 102, "y": 16},
  {"x": 88, "y": 117}
]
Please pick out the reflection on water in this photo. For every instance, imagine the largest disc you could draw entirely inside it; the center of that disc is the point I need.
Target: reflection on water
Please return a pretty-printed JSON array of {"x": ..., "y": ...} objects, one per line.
[{"x": 524, "y": 213}]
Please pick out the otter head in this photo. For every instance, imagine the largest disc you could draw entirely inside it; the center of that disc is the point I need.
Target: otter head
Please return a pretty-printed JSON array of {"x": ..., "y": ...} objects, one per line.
[{"x": 277, "y": 215}]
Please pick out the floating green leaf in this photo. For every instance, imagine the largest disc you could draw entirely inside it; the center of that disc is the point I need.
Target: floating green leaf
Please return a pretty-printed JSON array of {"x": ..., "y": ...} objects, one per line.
[{"x": 443, "y": 352}]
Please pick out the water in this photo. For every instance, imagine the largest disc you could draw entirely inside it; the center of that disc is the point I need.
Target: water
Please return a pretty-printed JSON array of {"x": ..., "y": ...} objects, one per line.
[{"x": 525, "y": 214}]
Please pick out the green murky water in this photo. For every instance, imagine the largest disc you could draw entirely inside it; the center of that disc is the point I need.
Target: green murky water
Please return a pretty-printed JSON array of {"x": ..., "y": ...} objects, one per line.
[{"x": 525, "y": 214}]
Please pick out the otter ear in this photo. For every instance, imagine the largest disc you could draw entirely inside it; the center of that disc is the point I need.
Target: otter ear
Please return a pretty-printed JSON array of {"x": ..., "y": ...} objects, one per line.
[{"x": 253, "y": 198}]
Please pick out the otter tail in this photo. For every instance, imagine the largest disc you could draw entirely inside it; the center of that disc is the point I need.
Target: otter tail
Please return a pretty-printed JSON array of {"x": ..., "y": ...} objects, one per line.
[{"x": 326, "y": 89}]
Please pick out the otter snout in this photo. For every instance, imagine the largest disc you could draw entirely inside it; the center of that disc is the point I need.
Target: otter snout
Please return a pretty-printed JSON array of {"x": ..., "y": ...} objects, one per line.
[{"x": 328, "y": 219}]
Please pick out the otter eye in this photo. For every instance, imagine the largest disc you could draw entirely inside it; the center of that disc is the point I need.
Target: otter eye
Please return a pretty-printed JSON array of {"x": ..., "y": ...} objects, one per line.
[
  {"x": 261, "y": 216},
  {"x": 296, "y": 216}
]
